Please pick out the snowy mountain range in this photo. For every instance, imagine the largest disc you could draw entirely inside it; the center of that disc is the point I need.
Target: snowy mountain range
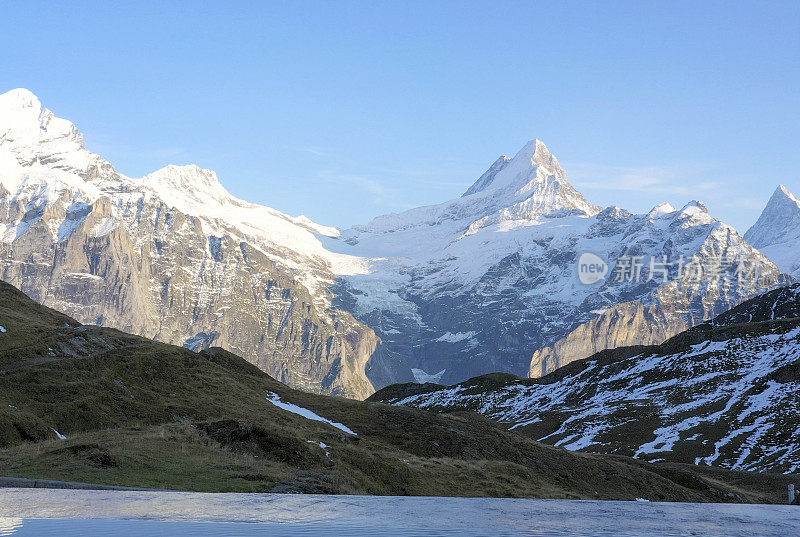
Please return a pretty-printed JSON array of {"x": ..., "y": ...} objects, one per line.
[
  {"x": 723, "y": 393},
  {"x": 489, "y": 281},
  {"x": 485, "y": 282}
]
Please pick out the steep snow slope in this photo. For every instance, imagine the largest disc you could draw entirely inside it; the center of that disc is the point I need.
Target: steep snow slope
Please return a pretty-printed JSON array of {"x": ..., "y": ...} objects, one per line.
[
  {"x": 479, "y": 283},
  {"x": 172, "y": 256},
  {"x": 777, "y": 231},
  {"x": 722, "y": 393}
]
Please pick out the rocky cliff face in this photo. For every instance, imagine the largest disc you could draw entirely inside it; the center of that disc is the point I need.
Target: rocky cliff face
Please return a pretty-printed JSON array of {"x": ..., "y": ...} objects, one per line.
[
  {"x": 171, "y": 256},
  {"x": 631, "y": 323}
]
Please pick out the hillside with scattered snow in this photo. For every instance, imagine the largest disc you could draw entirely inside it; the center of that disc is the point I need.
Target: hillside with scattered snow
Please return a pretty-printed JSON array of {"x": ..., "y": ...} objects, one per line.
[{"x": 723, "y": 393}]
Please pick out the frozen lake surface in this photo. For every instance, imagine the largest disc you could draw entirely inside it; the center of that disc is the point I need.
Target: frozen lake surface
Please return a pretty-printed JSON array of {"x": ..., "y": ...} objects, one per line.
[{"x": 26, "y": 512}]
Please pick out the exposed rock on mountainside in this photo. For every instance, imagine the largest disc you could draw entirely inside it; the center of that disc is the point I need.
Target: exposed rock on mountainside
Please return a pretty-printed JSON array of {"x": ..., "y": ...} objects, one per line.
[
  {"x": 172, "y": 256},
  {"x": 723, "y": 393},
  {"x": 719, "y": 270},
  {"x": 474, "y": 285},
  {"x": 777, "y": 231},
  {"x": 479, "y": 283},
  {"x": 92, "y": 404}
]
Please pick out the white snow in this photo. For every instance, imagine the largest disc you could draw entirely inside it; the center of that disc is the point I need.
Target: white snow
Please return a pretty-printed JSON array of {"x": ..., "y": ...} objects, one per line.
[
  {"x": 84, "y": 275},
  {"x": 3, "y": 329},
  {"x": 421, "y": 377},
  {"x": 777, "y": 231},
  {"x": 661, "y": 210},
  {"x": 59, "y": 435},
  {"x": 525, "y": 423},
  {"x": 708, "y": 384},
  {"x": 450, "y": 337},
  {"x": 304, "y": 412},
  {"x": 322, "y": 446}
]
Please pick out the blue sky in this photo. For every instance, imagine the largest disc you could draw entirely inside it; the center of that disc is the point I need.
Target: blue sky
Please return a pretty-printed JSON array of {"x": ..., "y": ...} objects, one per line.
[{"x": 346, "y": 110}]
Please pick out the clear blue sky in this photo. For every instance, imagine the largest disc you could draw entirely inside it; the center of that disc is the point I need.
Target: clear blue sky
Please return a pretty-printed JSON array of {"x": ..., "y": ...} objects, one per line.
[{"x": 344, "y": 111}]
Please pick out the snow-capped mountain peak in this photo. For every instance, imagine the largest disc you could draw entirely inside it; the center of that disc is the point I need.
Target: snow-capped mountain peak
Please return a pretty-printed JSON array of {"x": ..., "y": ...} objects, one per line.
[
  {"x": 524, "y": 188},
  {"x": 26, "y": 122},
  {"x": 34, "y": 135},
  {"x": 781, "y": 209},
  {"x": 534, "y": 167},
  {"x": 777, "y": 231},
  {"x": 660, "y": 210},
  {"x": 694, "y": 213},
  {"x": 19, "y": 98},
  {"x": 695, "y": 206},
  {"x": 512, "y": 192}
]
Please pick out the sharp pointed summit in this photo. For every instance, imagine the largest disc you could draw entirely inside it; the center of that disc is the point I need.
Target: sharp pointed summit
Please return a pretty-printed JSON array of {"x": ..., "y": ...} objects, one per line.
[
  {"x": 777, "y": 231},
  {"x": 34, "y": 135},
  {"x": 532, "y": 161}
]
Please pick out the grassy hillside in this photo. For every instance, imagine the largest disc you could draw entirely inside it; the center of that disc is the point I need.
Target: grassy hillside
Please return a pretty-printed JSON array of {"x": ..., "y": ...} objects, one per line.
[{"x": 140, "y": 413}]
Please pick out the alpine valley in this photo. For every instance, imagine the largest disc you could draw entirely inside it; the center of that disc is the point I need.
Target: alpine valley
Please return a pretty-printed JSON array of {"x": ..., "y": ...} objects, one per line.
[{"x": 484, "y": 283}]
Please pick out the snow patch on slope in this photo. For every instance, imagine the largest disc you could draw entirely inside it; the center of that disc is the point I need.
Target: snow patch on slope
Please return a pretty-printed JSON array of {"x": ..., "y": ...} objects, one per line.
[
  {"x": 304, "y": 412},
  {"x": 421, "y": 377},
  {"x": 710, "y": 385}
]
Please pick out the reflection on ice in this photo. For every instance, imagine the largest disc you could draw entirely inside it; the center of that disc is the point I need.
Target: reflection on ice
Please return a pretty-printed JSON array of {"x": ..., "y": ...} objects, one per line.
[
  {"x": 9, "y": 525},
  {"x": 85, "y": 512}
]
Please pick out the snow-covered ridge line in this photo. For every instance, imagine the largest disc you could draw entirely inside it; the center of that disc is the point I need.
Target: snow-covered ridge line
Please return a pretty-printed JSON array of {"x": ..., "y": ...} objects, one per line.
[{"x": 47, "y": 153}]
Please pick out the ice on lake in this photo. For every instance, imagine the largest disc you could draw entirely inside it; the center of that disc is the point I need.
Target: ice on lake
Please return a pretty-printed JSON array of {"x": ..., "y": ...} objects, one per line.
[{"x": 25, "y": 512}]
